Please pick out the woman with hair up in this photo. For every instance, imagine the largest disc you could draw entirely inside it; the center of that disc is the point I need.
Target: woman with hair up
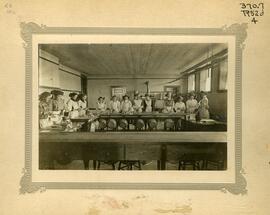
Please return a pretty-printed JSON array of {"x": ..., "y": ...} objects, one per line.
[
  {"x": 180, "y": 106},
  {"x": 147, "y": 104},
  {"x": 126, "y": 105},
  {"x": 137, "y": 103},
  {"x": 101, "y": 104},
  {"x": 72, "y": 105},
  {"x": 204, "y": 107},
  {"x": 114, "y": 105},
  {"x": 82, "y": 102},
  {"x": 191, "y": 104},
  {"x": 44, "y": 105},
  {"x": 58, "y": 103},
  {"x": 45, "y": 110}
]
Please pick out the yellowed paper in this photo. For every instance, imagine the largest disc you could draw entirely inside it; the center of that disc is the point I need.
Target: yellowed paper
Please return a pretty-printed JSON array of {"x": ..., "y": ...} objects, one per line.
[{"x": 159, "y": 14}]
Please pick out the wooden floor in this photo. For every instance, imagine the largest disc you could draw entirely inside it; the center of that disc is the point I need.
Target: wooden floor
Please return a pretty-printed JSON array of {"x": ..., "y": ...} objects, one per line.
[{"x": 150, "y": 165}]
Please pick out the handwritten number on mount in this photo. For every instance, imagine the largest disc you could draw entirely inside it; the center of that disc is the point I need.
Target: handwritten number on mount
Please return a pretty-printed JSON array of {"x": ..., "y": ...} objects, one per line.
[
  {"x": 252, "y": 10},
  {"x": 254, "y": 20}
]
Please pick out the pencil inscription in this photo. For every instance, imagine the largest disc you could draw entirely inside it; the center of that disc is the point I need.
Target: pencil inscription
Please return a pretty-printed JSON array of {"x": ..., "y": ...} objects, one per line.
[{"x": 252, "y": 10}]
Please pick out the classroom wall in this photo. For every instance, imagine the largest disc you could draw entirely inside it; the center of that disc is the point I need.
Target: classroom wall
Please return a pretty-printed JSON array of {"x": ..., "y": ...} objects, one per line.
[
  {"x": 102, "y": 87},
  {"x": 54, "y": 75}
]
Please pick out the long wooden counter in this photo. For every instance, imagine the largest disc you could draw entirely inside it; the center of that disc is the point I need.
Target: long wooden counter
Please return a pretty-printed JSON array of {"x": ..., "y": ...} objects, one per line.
[
  {"x": 132, "y": 137},
  {"x": 161, "y": 146}
]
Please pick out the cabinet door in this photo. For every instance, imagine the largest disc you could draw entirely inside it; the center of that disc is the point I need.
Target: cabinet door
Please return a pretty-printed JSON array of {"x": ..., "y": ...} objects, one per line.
[{"x": 48, "y": 73}]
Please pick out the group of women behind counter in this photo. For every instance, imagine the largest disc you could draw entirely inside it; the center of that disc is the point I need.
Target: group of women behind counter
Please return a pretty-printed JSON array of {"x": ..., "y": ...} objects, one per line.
[
  {"x": 166, "y": 105},
  {"x": 52, "y": 105}
]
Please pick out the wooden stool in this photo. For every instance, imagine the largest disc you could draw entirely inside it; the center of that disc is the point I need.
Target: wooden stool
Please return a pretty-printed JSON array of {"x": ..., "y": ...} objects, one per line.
[
  {"x": 112, "y": 163},
  {"x": 190, "y": 160},
  {"x": 129, "y": 165}
]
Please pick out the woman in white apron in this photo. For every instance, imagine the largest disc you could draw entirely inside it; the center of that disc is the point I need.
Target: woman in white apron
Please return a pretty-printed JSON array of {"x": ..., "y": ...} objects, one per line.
[
  {"x": 180, "y": 106},
  {"x": 192, "y": 106},
  {"x": 73, "y": 106},
  {"x": 137, "y": 103},
  {"x": 126, "y": 105},
  {"x": 168, "y": 103},
  {"x": 101, "y": 104},
  {"x": 82, "y": 102},
  {"x": 58, "y": 106},
  {"x": 147, "y": 104},
  {"x": 45, "y": 110},
  {"x": 114, "y": 105},
  {"x": 204, "y": 107}
]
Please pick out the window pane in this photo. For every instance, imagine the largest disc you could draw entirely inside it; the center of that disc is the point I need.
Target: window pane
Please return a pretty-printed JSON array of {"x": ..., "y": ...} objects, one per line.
[
  {"x": 205, "y": 80},
  {"x": 223, "y": 73},
  {"x": 191, "y": 83}
]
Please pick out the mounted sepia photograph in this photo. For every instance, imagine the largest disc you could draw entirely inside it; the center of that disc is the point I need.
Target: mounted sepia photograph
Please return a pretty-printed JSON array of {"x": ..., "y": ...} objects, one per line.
[{"x": 128, "y": 108}]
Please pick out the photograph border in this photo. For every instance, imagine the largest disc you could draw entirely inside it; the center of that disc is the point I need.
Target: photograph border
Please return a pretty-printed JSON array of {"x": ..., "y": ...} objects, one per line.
[{"x": 237, "y": 30}]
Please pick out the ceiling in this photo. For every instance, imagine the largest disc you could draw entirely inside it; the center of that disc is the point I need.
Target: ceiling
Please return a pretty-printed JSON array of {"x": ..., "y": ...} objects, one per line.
[{"x": 127, "y": 59}]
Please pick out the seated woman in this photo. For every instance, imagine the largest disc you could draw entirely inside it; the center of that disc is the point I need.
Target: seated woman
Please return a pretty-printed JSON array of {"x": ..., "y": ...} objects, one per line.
[
  {"x": 114, "y": 105},
  {"x": 168, "y": 104},
  {"x": 101, "y": 104},
  {"x": 147, "y": 104},
  {"x": 137, "y": 103},
  {"x": 126, "y": 105},
  {"x": 204, "y": 107},
  {"x": 180, "y": 106},
  {"x": 73, "y": 106},
  {"x": 44, "y": 110}
]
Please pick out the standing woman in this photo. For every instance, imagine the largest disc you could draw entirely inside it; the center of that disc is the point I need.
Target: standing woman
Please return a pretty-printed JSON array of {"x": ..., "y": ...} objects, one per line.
[
  {"x": 204, "y": 107},
  {"x": 137, "y": 103},
  {"x": 147, "y": 104},
  {"x": 180, "y": 106},
  {"x": 169, "y": 103},
  {"x": 72, "y": 105},
  {"x": 126, "y": 105},
  {"x": 82, "y": 102},
  {"x": 101, "y": 104},
  {"x": 58, "y": 102},
  {"x": 114, "y": 105},
  {"x": 191, "y": 104},
  {"x": 44, "y": 110}
]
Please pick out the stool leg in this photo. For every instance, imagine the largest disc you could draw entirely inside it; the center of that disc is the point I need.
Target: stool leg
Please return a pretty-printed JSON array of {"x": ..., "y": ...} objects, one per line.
[
  {"x": 86, "y": 164},
  {"x": 94, "y": 164},
  {"x": 119, "y": 166},
  {"x": 158, "y": 165}
]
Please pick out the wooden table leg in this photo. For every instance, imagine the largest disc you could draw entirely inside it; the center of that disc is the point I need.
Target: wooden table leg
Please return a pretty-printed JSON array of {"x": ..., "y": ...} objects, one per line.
[
  {"x": 158, "y": 165},
  {"x": 86, "y": 163},
  {"x": 163, "y": 157},
  {"x": 94, "y": 164}
]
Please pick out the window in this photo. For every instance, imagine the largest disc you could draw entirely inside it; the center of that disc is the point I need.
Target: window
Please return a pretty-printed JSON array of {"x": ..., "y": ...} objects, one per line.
[
  {"x": 191, "y": 83},
  {"x": 205, "y": 80},
  {"x": 223, "y": 74}
]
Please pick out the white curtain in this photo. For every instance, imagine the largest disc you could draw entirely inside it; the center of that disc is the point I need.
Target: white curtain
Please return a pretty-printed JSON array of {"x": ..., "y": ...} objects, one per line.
[
  {"x": 191, "y": 83},
  {"x": 205, "y": 80}
]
